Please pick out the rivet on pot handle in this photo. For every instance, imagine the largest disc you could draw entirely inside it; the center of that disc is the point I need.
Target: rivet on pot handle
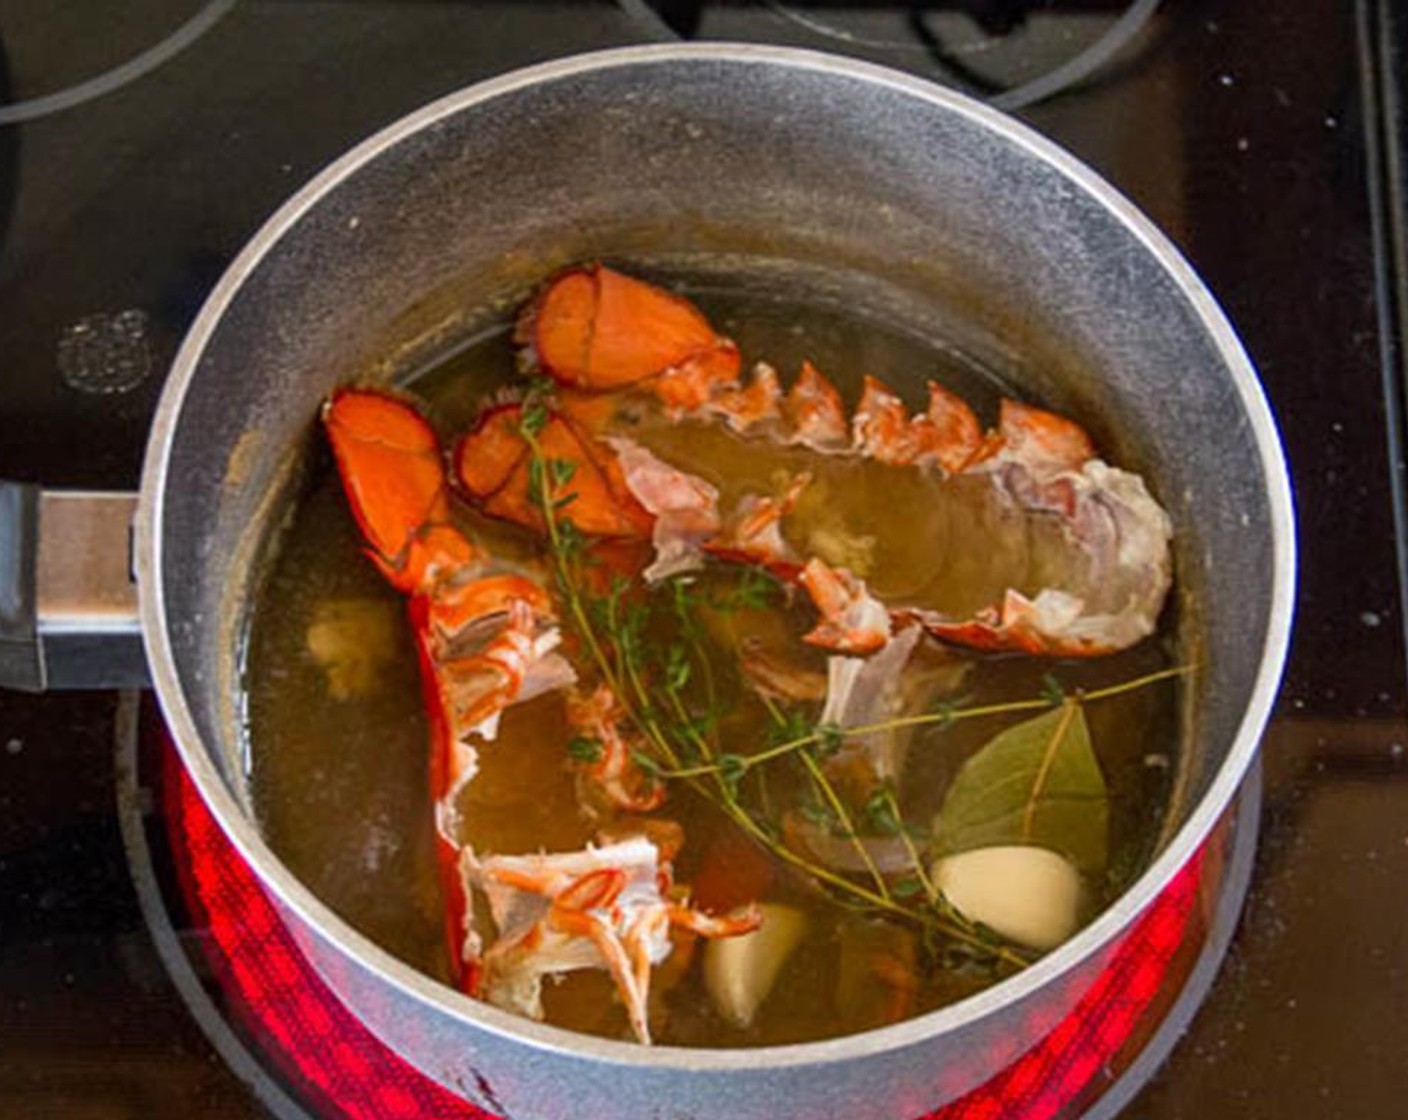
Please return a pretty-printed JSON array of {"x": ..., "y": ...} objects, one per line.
[{"x": 68, "y": 600}]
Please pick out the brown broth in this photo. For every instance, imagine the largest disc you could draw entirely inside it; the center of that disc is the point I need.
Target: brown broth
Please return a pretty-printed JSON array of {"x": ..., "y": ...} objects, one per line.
[{"x": 339, "y": 755}]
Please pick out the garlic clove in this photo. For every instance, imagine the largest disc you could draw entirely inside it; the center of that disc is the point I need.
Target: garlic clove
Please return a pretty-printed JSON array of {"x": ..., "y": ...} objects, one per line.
[
  {"x": 1028, "y": 895},
  {"x": 739, "y": 972}
]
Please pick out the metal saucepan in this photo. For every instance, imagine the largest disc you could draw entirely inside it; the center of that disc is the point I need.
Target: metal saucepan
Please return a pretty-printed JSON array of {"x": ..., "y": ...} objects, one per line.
[{"x": 843, "y": 182}]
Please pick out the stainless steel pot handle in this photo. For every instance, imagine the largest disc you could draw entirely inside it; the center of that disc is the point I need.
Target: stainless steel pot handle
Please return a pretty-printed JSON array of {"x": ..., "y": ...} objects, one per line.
[{"x": 68, "y": 598}]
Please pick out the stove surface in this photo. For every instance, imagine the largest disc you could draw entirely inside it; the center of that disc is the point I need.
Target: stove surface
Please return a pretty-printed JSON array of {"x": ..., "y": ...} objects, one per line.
[{"x": 1262, "y": 138}]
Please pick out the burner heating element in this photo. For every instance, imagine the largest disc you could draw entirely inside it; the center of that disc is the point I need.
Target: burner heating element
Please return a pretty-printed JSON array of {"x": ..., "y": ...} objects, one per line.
[{"x": 339, "y": 1070}]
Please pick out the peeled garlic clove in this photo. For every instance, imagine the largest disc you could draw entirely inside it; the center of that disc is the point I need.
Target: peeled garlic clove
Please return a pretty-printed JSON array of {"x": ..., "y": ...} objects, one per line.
[
  {"x": 739, "y": 972},
  {"x": 1028, "y": 895}
]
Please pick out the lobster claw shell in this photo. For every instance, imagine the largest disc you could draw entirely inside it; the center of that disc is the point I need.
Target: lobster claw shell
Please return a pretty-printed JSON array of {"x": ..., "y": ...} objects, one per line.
[
  {"x": 492, "y": 466},
  {"x": 389, "y": 459},
  {"x": 597, "y": 329}
]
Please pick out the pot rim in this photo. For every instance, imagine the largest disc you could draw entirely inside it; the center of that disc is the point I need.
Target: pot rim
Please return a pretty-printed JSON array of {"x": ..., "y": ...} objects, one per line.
[{"x": 293, "y": 895}]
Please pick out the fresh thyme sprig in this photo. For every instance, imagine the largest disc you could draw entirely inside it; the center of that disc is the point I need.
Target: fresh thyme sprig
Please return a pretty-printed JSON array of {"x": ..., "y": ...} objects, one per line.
[
  {"x": 944, "y": 716},
  {"x": 681, "y": 744},
  {"x": 546, "y": 480}
]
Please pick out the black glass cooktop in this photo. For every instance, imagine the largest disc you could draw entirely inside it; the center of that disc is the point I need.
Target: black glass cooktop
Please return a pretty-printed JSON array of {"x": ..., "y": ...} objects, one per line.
[{"x": 142, "y": 142}]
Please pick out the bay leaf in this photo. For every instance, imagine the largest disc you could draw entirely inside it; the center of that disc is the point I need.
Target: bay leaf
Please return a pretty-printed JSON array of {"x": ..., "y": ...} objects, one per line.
[{"x": 1036, "y": 783}]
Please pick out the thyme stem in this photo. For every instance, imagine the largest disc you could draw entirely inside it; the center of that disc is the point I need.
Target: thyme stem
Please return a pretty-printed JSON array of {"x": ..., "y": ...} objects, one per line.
[
  {"x": 1006, "y": 707},
  {"x": 930, "y": 891},
  {"x": 839, "y": 808}
]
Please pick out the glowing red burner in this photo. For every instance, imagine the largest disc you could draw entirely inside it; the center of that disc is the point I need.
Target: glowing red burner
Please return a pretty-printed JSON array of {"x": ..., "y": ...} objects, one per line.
[{"x": 336, "y": 1059}]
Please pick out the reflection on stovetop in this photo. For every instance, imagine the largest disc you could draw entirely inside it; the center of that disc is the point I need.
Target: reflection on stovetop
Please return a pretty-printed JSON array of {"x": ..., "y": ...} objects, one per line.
[
  {"x": 1014, "y": 53},
  {"x": 1234, "y": 124}
]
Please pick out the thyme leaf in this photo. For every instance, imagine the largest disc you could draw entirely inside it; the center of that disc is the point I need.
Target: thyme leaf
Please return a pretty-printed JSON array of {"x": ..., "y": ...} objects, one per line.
[
  {"x": 829, "y": 739},
  {"x": 881, "y": 814},
  {"x": 732, "y": 767},
  {"x": 907, "y": 887},
  {"x": 583, "y": 748}
]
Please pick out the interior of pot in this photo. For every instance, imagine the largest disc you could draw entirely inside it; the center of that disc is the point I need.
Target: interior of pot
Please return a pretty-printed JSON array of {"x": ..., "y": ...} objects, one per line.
[{"x": 898, "y": 202}]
